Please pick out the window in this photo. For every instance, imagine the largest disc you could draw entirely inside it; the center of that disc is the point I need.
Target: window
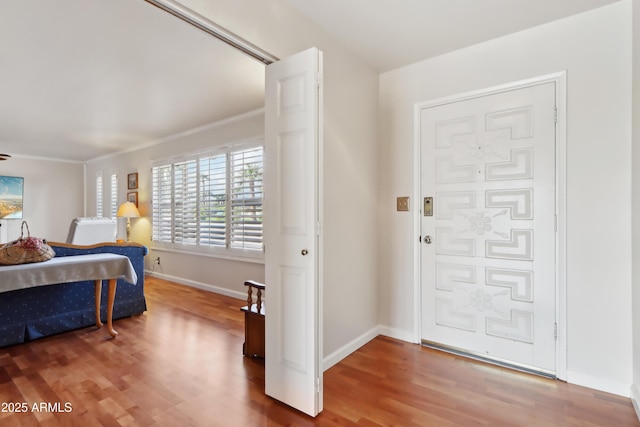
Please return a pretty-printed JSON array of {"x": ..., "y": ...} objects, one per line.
[
  {"x": 114, "y": 194},
  {"x": 210, "y": 202},
  {"x": 99, "y": 195}
]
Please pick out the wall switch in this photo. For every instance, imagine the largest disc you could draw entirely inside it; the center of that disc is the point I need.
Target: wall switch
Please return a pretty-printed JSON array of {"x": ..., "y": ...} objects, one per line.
[{"x": 402, "y": 204}]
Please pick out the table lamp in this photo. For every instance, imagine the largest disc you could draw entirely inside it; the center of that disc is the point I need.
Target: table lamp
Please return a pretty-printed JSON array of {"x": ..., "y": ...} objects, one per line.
[{"x": 128, "y": 210}]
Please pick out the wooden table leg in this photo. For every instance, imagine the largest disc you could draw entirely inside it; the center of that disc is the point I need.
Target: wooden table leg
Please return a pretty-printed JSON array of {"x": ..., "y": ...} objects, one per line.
[
  {"x": 97, "y": 287},
  {"x": 110, "y": 301}
]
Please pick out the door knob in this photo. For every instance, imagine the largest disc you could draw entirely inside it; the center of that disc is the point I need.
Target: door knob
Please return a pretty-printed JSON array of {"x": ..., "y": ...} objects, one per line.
[
  {"x": 428, "y": 239},
  {"x": 304, "y": 252}
]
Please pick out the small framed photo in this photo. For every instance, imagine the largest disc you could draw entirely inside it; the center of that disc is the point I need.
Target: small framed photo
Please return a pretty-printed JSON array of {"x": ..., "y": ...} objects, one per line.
[
  {"x": 132, "y": 181},
  {"x": 133, "y": 198}
]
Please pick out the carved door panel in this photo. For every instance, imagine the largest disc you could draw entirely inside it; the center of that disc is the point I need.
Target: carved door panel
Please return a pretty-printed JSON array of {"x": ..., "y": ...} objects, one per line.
[{"x": 488, "y": 275}]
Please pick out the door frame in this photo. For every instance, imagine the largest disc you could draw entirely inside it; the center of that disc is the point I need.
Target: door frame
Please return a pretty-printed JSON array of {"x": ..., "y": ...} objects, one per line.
[{"x": 560, "y": 80}]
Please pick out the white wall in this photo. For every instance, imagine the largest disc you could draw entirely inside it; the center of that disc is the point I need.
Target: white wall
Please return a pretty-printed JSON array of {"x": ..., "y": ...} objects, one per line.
[
  {"x": 220, "y": 275},
  {"x": 350, "y": 160},
  {"x": 53, "y": 196},
  {"x": 635, "y": 393},
  {"x": 595, "y": 50}
]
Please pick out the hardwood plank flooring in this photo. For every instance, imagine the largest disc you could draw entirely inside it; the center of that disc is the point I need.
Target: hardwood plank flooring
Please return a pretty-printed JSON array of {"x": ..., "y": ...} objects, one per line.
[{"x": 181, "y": 364}]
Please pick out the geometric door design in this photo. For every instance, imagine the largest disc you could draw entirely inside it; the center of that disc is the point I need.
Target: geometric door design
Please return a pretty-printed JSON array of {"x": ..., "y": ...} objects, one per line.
[{"x": 488, "y": 273}]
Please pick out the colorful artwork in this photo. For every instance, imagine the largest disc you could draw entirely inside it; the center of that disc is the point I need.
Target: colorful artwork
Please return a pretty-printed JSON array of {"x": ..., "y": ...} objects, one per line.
[{"x": 11, "y": 195}]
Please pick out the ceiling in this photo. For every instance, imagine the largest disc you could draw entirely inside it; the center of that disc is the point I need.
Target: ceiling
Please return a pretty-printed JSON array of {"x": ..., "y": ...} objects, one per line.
[
  {"x": 83, "y": 79},
  {"x": 393, "y": 33}
]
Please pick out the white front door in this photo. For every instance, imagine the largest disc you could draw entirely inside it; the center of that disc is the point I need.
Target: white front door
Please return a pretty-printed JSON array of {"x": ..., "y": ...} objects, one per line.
[
  {"x": 488, "y": 226},
  {"x": 291, "y": 217}
]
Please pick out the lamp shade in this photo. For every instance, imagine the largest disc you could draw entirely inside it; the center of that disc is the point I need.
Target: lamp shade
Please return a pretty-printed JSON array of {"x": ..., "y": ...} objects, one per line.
[{"x": 128, "y": 210}]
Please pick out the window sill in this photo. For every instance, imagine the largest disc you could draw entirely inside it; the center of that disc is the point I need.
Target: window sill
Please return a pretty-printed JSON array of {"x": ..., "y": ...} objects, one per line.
[{"x": 259, "y": 259}]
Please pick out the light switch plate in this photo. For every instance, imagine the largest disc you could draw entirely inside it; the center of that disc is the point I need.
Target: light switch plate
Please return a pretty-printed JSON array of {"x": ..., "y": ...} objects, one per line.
[{"x": 402, "y": 204}]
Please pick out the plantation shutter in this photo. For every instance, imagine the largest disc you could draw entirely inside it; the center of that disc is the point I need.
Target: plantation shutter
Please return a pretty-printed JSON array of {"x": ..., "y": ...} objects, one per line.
[
  {"x": 161, "y": 207},
  {"x": 99, "y": 195},
  {"x": 210, "y": 202},
  {"x": 246, "y": 198},
  {"x": 114, "y": 195},
  {"x": 186, "y": 202},
  {"x": 213, "y": 200}
]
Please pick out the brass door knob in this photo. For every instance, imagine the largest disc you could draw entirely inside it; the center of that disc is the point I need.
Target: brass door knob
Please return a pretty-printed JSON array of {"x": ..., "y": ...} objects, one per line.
[{"x": 304, "y": 252}]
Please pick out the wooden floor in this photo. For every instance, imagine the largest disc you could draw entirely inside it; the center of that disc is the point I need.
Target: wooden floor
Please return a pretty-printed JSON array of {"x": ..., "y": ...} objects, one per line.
[{"x": 181, "y": 364}]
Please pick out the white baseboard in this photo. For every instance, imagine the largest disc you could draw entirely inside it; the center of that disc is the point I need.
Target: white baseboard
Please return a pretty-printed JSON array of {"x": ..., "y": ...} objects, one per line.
[
  {"x": 635, "y": 398},
  {"x": 349, "y": 348},
  {"x": 198, "y": 285},
  {"x": 598, "y": 383},
  {"x": 327, "y": 362},
  {"x": 352, "y": 346},
  {"x": 396, "y": 333}
]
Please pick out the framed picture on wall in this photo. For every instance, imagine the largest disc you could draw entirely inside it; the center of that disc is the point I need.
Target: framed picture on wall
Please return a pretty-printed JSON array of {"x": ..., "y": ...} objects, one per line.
[
  {"x": 11, "y": 195},
  {"x": 133, "y": 198},
  {"x": 132, "y": 181}
]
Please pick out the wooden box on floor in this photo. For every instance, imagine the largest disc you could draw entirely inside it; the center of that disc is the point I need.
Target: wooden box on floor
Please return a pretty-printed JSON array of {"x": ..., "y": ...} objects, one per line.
[{"x": 253, "y": 321}]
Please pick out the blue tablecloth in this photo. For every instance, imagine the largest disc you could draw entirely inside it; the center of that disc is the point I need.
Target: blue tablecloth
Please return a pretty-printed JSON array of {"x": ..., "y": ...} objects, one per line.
[{"x": 67, "y": 269}]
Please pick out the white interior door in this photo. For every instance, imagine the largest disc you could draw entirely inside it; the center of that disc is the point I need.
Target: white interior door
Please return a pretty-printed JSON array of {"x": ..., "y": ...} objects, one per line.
[
  {"x": 488, "y": 249},
  {"x": 293, "y": 316}
]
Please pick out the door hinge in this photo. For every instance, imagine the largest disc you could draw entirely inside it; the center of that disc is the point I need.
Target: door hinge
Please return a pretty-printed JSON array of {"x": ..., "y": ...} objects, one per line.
[
  {"x": 318, "y": 80},
  {"x": 555, "y": 115},
  {"x": 318, "y": 228},
  {"x": 555, "y": 331},
  {"x": 555, "y": 222},
  {"x": 318, "y": 385}
]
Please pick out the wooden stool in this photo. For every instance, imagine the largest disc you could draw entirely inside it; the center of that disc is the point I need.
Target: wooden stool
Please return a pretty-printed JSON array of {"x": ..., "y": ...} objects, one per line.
[{"x": 253, "y": 322}]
